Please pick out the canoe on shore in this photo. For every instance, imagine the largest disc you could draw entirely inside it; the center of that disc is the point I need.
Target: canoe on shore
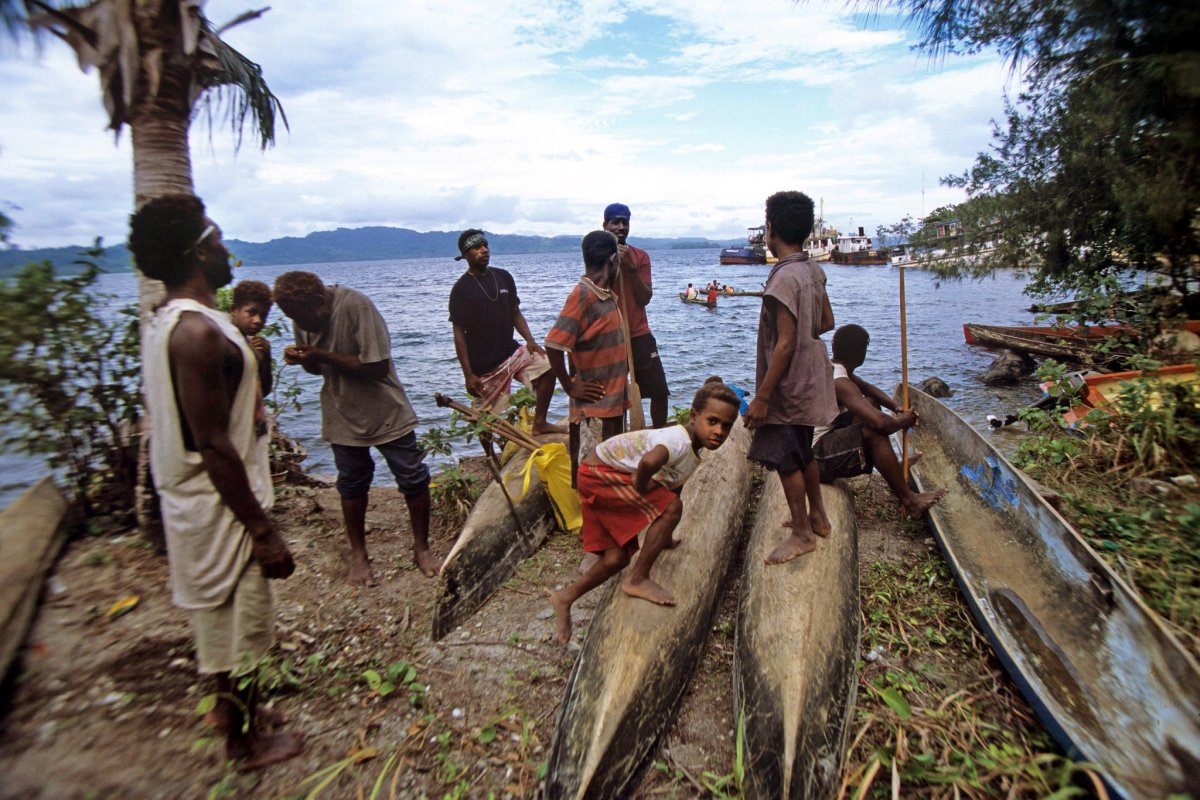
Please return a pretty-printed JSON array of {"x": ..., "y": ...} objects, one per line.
[
  {"x": 697, "y": 300},
  {"x": 1103, "y": 673},
  {"x": 1101, "y": 390},
  {"x": 794, "y": 669},
  {"x": 1062, "y": 343},
  {"x": 31, "y": 537},
  {"x": 491, "y": 545},
  {"x": 628, "y": 681}
]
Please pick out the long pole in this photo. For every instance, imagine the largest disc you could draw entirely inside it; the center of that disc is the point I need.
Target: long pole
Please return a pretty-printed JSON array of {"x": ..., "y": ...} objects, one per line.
[
  {"x": 903, "y": 373},
  {"x": 637, "y": 417}
]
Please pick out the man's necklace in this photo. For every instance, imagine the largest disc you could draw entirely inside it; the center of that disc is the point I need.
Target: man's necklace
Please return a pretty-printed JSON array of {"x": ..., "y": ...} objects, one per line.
[{"x": 495, "y": 285}]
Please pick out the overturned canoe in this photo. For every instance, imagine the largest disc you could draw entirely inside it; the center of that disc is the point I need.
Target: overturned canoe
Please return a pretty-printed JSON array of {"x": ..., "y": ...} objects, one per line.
[
  {"x": 1063, "y": 342},
  {"x": 31, "y": 537},
  {"x": 1103, "y": 673},
  {"x": 491, "y": 545},
  {"x": 794, "y": 669},
  {"x": 625, "y": 688}
]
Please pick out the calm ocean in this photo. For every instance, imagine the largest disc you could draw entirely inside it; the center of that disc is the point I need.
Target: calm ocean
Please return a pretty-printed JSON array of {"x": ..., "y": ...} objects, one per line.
[{"x": 694, "y": 342}]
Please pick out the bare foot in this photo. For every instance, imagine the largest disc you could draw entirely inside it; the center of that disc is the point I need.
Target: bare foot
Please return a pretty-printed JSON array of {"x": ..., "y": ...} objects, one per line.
[
  {"x": 790, "y": 548},
  {"x": 820, "y": 525},
  {"x": 426, "y": 562},
  {"x": 360, "y": 571},
  {"x": 264, "y": 750},
  {"x": 649, "y": 590},
  {"x": 547, "y": 429},
  {"x": 587, "y": 562},
  {"x": 922, "y": 502},
  {"x": 671, "y": 545},
  {"x": 562, "y": 616}
]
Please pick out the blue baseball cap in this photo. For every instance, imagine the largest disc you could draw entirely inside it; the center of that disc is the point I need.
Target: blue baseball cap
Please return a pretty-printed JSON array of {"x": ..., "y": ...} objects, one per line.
[{"x": 614, "y": 210}]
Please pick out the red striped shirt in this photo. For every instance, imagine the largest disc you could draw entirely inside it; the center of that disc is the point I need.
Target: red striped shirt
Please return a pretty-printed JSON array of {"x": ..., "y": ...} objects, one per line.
[{"x": 589, "y": 328}]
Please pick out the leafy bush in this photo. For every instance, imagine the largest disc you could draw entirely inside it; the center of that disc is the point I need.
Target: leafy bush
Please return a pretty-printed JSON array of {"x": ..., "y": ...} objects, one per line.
[{"x": 69, "y": 383}]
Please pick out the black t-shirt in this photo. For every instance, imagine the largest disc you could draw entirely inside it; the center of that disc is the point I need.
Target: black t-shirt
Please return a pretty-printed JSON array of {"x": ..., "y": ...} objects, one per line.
[{"x": 485, "y": 307}]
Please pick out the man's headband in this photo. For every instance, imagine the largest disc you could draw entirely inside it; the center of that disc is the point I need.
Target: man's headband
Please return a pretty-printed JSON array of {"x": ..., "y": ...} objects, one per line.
[
  {"x": 473, "y": 241},
  {"x": 207, "y": 232}
]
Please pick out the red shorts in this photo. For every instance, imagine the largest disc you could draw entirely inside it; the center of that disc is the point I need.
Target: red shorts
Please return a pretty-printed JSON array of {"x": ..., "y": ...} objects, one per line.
[{"x": 613, "y": 511}]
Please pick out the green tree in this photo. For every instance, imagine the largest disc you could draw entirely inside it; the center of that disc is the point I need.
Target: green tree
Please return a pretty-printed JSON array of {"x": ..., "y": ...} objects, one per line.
[{"x": 1095, "y": 171}]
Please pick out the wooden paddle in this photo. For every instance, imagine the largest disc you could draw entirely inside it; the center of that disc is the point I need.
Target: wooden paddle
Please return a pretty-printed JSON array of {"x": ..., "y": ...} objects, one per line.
[
  {"x": 903, "y": 374},
  {"x": 637, "y": 418}
]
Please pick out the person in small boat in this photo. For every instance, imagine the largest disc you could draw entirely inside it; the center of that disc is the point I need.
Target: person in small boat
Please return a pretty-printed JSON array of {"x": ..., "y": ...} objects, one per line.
[
  {"x": 249, "y": 307},
  {"x": 211, "y": 471},
  {"x": 857, "y": 441},
  {"x": 341, "y": 336},
  {"x": 589, "y": 329},
  {"x": 712, "y": 295},
  {"x": 635, "y": 280},
  {"x": 794, "y": 379},
  {"x": 631, "y": 483},
  {"x": 485, "y": 311},
  {"x": 690, "y": 292}
]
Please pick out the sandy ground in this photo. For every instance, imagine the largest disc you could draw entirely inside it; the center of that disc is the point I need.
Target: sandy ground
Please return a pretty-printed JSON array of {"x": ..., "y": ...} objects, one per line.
[{"x": 106, "y": 708}]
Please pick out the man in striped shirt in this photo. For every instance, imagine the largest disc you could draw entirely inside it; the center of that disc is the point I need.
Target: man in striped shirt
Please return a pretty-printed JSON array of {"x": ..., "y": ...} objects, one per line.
[{"x": 589, "y": 328}]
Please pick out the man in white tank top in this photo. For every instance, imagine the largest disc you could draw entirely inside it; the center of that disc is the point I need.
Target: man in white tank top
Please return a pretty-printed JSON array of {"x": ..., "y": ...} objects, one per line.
[{"x": 210, "y": 467}]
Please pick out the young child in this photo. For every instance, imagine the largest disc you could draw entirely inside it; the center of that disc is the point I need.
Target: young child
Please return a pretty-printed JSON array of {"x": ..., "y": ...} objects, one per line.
[
  {"x": 248, "y": 310},
  {"x": 794, "y": 387},
  {"x": 632, "y": 481}
]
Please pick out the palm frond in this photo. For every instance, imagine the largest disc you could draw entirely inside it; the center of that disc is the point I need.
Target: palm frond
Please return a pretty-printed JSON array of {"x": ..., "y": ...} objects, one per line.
[{"x": 233, "y": 84}]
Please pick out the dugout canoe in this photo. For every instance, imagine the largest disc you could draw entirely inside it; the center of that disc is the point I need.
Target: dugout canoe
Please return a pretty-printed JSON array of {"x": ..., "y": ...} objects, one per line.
[
  {"x": 628, "y": 680},
  {"x": 1062, "y": 343},
  {"x": 795, "y": 670},
  {"x": 31, "y": 537},
  {"x": 1107, "y": 678},
  {"x": 697, "y": 300},
  {"x": 490, "y": 545}
]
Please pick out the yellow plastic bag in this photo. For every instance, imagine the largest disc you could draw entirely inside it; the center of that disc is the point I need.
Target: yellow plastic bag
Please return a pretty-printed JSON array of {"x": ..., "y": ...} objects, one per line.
[
  {"x": 554, "y": 466},
  {"x": 525, "y": 423}
]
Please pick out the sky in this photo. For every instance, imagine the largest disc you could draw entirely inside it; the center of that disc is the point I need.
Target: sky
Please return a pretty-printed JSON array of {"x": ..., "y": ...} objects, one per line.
[{"x": 527, "y": 118}]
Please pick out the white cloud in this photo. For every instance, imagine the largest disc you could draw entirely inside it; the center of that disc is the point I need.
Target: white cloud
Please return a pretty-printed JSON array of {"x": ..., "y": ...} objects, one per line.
[{"x": 526, "y": 119}]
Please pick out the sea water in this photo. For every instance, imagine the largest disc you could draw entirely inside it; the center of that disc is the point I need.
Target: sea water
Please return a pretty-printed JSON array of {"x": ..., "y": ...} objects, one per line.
[{"x": 693, "y": 341}]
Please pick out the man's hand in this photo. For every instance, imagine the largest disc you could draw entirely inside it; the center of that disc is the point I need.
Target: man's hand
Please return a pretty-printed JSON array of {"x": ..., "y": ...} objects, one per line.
[
  {"x": 626, "y": 258},
  {"x": 305, "y": 355},
  {"x": 585, "y": 391},
  {"x": 535, "y": 348},
  {"x": 271, "y": 552},
  {"x": 293, "y": 353},
  {"x": 908, "y": 419},
  {"x": 756, "y": 413},
  {"x": 474, "y": 386}
]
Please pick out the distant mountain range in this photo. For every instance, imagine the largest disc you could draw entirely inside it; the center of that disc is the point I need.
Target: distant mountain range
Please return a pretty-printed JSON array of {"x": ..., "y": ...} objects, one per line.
[{"x": 344, "y": 244}]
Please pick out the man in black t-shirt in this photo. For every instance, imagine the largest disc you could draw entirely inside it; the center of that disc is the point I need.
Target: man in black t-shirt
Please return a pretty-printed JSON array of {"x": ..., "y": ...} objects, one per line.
[{"x": 485, "y": 311}]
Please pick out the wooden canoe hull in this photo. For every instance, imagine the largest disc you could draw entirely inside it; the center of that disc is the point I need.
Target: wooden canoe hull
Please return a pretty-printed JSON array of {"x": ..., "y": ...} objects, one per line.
[
  {"x": 1046, "y": 342},
  {"x": 490, "y": 546},
  {"x": 1103, "y": 673},
  {"x": 627, "y": 682},
  {"x": 795, "y": 672},
  {"x": 696, "y": 301},
  {"x": 31, "y": 537}
]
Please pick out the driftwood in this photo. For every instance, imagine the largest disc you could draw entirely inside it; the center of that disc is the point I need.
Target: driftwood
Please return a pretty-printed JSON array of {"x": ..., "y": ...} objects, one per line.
[{"x": 31, "y": 537}]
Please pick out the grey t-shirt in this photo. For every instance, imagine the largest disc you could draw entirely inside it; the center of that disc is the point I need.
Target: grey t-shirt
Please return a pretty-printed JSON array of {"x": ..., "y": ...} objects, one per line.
[
  {"x": 356, "y": 411},
  {"x": 804, "y": 395}
]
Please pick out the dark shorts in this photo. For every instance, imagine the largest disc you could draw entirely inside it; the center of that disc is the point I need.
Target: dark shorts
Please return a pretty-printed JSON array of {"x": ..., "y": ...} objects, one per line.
[
  {"x": 841, "y": 454},
  {"x": 404, "y": 458},
  {"x": 648, "y": 368},
  {"x": 782, "y": 448}
]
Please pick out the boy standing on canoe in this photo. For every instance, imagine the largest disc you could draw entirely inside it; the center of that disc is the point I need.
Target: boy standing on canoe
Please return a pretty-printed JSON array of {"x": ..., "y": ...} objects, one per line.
[
  {"x": 484, "y": 312},
  {"x": 794, "y": 386},
  {"x": 210, "y": 469},
  {"x": 341, "y": 336},
  {"x": 635, "y": 288},
  {"x": 631, "y": 483},
  {"x": 589, "y": 328},
  {"x": 857, "y": 441}
]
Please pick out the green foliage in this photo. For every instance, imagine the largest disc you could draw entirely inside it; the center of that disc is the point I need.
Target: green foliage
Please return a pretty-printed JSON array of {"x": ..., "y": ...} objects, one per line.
[
  {"x": 69, "y": 383},
  {"x": 400, "y": 675},
  {"x": 453, "y": 494},
  {"x": 1094, "y": 172}
]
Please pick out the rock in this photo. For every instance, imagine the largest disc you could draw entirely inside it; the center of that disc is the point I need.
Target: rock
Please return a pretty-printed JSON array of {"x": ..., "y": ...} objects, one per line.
[
  {"x": 1185, "y": 481},
  {"x": 545, "y": 613},
  {"x": 1009, "y": 368},
  {"x": 1154, "y": 487},
  {"x": 934, "y": 387}
]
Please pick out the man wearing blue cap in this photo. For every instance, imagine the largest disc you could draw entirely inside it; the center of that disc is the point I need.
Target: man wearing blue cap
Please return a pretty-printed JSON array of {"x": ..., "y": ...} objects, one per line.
[{"x": 635, "y": 277}]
